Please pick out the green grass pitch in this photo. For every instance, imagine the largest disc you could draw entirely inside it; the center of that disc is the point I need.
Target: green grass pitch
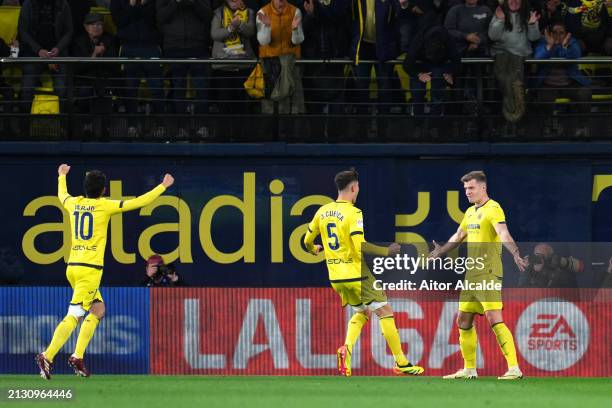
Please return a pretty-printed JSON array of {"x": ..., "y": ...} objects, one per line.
[{"x": 119, "y": 391}]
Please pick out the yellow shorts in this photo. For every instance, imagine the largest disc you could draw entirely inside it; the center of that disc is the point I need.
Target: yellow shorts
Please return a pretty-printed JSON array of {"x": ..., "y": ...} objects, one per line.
[
  {"x": 85, "y": 282},
  {"x": 359, "y": 292},
  {"x": 481, "y": 301}
]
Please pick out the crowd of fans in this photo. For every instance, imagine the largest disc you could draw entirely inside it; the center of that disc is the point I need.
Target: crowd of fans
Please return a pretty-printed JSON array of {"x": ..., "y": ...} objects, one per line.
[{"x": 432, "y": 34}]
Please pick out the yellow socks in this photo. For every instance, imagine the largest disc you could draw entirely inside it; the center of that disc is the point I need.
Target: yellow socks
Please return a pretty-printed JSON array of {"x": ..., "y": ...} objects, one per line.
[
  {"x": 506, "y": 343},
  {"x": 354, "y": 329},
  {"x": 389, "y": 331},
  {"x": 61, "y": 335},
  {"x": 468, "y": 341},
  {"x": 85, "y": 334}
]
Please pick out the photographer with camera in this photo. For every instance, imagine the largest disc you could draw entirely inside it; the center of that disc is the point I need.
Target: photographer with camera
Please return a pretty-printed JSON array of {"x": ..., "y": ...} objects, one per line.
[
  {"x": 549, "y": 270},
  {"x": 161, "y": 275}
]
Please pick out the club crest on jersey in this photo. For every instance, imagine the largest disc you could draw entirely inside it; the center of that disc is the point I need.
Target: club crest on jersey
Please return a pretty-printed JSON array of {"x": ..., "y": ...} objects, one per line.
[{"x": 360, "y": 223}]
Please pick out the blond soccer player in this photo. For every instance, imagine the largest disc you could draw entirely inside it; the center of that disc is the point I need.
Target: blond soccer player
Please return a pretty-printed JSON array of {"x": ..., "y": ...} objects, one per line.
[{"x": 484, "y": 227}]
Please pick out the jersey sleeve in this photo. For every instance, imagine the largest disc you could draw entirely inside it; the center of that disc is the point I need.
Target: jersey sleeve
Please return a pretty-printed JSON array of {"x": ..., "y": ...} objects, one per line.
[
  {"x": 496, "y": 215},
  {"x": 312, "y": 233},
  {"x": 62, "y": 192},
  {"x": 118, "y": 206},
  {"x": 356, "y": 224}
]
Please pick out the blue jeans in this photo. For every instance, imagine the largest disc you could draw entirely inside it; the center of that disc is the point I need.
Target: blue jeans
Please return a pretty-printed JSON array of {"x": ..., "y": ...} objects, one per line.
[
  {"x": 438, "y": 84},
  {"x": 199, "y": 80},
  {"x": 384, "y": 73},
  {"x": 152, "y": 73}
]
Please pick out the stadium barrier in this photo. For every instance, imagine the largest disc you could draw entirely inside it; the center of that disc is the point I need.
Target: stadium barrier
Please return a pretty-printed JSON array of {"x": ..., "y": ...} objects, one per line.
[
  {"x": 295, "y": 331},
  {"x": 333, "y": 112}
]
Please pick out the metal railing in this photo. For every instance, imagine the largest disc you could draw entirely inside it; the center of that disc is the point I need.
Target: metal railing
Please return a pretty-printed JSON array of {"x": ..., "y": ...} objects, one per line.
[{"x": 338, "y": 106}]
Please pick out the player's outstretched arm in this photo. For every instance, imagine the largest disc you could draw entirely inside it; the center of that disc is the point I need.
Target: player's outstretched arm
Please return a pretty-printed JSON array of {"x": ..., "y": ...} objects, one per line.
[
  {"x": 147, "y": 198},
  {"x": 62, "y": 190},
  {"x": 453, "y": 242},
  {"x": 508, "y": 242}
]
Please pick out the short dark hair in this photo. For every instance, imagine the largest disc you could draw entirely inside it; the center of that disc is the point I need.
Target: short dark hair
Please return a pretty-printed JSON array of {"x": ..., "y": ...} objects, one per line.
[
  {"x": 94, "y": 183},
  {"x": 346, "y": 177},
  {"x": 477, "y": 175}
]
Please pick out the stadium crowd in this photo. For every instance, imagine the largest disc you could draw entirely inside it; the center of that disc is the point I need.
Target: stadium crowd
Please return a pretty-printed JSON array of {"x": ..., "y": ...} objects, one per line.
[{"x": 431, "y": 36}]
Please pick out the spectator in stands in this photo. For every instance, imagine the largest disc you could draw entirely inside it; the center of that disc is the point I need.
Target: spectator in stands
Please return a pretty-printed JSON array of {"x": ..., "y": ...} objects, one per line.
[
  {"x": 139, "y": 38},
  {"x": 327, "y": 36},
  {"x": 45, "y": 31},
  {"x": 511, "y": 30},
  {"x": 590, "y": 23},
  {"x": 375, "y": 36},
  {"x": 232, "y": 28},
  {"x": 185, "y": 28},
  {"x": 432, "y": 58},
  {"x": 561, "y": 81},
  {"x": 468, "y": 24},
  {"x": 414, "y": 17},
  {"x": 93, "y": 81},
  {"x": 551, "y": 11},
  {"x": 280, "y": 33}
]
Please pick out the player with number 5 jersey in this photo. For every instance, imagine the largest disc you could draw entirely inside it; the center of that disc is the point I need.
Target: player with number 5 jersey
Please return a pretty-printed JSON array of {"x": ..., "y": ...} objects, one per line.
[
  {"x": 89, "y": 217},
  {"x": 340, "y": 225}
]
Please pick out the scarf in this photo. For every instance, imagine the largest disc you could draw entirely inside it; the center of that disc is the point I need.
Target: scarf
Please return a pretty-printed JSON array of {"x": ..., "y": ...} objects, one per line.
[{"x": 233, "y": 43}]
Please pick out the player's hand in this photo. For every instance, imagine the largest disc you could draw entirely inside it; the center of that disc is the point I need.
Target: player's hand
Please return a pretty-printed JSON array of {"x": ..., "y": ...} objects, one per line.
[
  {"x": 435, "y": 252},
  {"x": 63, "y": 169},
  {"x": 168, "y": 180},
  {"x": 521, "y": 263},
  {"x": 316, "y": 249},
  {"x": 394, "y": 249}
]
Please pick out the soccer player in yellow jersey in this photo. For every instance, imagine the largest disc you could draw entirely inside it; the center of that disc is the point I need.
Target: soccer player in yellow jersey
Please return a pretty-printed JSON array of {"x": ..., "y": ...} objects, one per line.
[
  {"x": 484, "y": 226},
  {"x": 89, "y": 216},
  {"x": 340, "y": 225}
]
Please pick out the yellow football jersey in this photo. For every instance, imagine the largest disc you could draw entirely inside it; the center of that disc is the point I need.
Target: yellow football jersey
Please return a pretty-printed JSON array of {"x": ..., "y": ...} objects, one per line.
[
  {"x": 483, "y": 241},
  {"x": 89, "y": 222},
  {"x": 337, "y": 223}
]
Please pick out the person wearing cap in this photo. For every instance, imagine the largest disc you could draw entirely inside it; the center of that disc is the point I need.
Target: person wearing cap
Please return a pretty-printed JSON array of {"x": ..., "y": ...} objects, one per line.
[
  {"x": 160, "y": 274},
  {"x": 152, "y": 266},
  {"x": 93, "y": 80}
]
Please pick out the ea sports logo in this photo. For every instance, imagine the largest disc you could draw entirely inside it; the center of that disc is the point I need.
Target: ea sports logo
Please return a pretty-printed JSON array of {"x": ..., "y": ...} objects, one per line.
[{"x": 552, "y": 334}]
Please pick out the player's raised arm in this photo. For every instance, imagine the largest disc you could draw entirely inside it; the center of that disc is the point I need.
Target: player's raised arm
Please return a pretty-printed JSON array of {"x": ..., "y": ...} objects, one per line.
[
  {"x": 311, "y": 234},
  {"x": 508, "y": 242},
  {"x": 146, "y": 198},
  {"x": 62, "y": 190},
  {"x": 453, "y": 242}
]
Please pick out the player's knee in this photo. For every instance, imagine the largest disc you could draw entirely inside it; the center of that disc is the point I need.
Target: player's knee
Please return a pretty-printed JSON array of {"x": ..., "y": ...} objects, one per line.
[
  {"x": 76, "y": 311},
  {"x": 98, "y": 309},
  {"x": 384, "y": 311},
  {"x": 464, "y": 321},
  {"x": 494, "y": 316}
]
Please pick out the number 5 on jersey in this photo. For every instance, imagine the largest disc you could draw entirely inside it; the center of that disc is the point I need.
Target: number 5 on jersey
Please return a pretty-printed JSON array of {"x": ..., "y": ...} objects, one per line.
[{"x": 332, "y": 236}]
